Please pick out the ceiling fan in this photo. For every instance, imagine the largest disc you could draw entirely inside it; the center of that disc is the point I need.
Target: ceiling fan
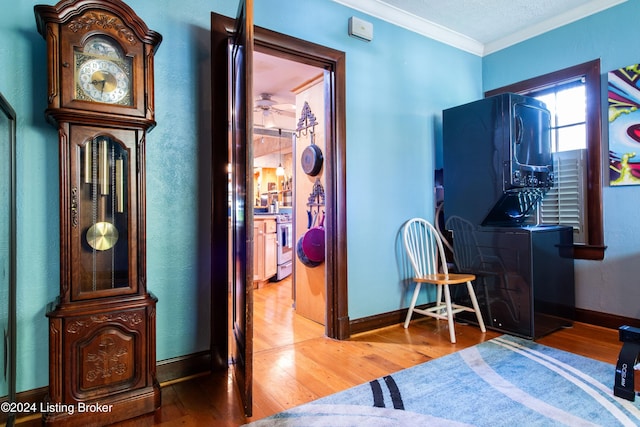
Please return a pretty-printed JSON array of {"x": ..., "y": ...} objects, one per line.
[{"x": 268, "y": 106}]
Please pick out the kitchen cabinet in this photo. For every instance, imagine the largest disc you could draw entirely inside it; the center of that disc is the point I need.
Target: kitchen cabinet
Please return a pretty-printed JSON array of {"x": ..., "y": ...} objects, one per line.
[
  {"x": 271, "y": 187},
  {"x": 265, "y": 263}
]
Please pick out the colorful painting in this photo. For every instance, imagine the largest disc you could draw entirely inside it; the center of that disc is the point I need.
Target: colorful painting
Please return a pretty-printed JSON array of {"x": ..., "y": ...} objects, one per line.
[{"x": 624, "y": 126}]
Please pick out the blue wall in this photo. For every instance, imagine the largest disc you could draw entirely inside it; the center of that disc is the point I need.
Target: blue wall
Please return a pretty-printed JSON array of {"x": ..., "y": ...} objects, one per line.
[
  {"x": 397, "y": 86},
  {"x": 611, "y": 285}
]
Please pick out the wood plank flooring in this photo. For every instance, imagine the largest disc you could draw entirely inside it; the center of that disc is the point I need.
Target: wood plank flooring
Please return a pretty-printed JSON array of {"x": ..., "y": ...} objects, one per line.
[{"x": 294, "y": 363}]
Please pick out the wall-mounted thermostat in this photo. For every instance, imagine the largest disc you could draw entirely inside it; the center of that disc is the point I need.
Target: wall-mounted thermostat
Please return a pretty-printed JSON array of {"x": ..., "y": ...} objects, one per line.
[{"x": 360, "y": 29}]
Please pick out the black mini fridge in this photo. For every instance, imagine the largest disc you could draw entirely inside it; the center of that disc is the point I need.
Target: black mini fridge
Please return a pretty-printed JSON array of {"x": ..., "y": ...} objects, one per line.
[{"x": 497, "y": 166}]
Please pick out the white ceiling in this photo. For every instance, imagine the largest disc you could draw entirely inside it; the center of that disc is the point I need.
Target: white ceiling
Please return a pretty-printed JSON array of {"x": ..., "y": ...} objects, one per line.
[
  {"x": 279, "y": 77},
  {"x": 479, "y": 26}
]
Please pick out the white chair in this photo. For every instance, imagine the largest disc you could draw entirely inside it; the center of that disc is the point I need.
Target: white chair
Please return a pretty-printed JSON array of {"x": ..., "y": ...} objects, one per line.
[{"x": 426, "y": 253}]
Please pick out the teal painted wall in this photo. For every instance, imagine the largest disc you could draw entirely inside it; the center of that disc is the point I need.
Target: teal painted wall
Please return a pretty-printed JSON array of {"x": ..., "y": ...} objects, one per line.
[
  {"x": 397, "y": 86},
  {"x": 611, "y": 285}
]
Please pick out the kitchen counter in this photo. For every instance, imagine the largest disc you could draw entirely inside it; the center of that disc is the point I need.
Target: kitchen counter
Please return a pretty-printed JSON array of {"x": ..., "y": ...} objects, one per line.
[{"x": 265, "y": 215}]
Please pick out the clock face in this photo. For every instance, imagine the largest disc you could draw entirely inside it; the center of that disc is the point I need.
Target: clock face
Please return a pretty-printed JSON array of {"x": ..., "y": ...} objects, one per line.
[
  {"x": 103, "y": 72},
  {"x": 103, "y": 80}
]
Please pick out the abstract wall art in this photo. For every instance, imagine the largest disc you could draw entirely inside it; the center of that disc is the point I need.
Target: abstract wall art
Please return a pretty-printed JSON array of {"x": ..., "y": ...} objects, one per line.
[{"x": 624, "y": 126}]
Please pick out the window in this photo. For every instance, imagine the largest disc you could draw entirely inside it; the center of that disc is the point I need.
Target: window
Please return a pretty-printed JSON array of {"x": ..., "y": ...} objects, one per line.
[
  {"x": 566, "y": 203},
  {"x": 567, "y": 103},
  {"x": 573, "y": 97}
]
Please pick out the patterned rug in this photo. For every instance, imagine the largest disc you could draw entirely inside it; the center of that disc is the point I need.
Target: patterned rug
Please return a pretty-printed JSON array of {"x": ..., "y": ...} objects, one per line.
[{"x": 506, "y": 381}]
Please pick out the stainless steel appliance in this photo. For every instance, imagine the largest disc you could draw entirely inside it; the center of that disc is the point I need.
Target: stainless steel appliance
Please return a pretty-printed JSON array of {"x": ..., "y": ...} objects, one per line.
[
  {"x": 284, "y": 230},
  {"x": 497, "y": 165}
]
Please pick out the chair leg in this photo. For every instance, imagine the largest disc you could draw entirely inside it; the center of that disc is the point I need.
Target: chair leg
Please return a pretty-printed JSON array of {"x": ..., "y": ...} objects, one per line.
[
  {"x": 487, "y": 301},
  {"x": 439, "y": 296},
  {"x": 414, "y": 299},
  {"x": 476, "y": 307},
  {"x": 447, "y": 300}
]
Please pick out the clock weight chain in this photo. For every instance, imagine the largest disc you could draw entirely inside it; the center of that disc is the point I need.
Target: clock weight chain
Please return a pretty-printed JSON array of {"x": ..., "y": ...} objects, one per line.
[
  {"x": 103, "y": 173},
  {"x": 113, "y": 211},
  {"x": 94, "y": 210}
]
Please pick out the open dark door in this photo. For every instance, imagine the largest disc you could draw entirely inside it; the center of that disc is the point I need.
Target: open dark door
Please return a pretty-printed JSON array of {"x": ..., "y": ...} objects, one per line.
[
  {"x": 234, "y": 48},
  {"x": 240, "y": 151}
]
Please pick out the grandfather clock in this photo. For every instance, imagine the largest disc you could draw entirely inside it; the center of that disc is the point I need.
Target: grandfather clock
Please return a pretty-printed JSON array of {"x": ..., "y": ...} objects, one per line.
[{"x": 102, "y": 358}]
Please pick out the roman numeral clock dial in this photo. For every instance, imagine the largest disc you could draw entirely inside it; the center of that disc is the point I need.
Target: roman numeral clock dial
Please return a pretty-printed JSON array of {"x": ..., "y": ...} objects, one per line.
[
  {"x": 103, "y": 73},
  {"x": 103, "y": 81}
]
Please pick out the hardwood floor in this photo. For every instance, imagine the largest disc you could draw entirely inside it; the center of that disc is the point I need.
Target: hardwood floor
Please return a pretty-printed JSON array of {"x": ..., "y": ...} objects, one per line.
[{"x": 294, "y": 363}]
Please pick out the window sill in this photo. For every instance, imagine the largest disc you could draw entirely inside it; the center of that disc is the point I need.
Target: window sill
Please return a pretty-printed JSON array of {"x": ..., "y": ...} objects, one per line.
[{"x": 588, "y": 252}]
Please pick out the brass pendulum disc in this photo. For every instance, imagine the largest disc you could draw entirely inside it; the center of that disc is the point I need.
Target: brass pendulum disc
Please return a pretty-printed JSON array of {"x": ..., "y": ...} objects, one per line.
[{"x": 102, "y": 236}]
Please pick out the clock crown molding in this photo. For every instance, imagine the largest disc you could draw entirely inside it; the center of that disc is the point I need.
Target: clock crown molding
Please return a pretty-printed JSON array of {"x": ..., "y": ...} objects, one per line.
[
  {"x": 55, "y": 116},
  {"x": 80, "y": 14},
  {"x": 67, "y": 27}
]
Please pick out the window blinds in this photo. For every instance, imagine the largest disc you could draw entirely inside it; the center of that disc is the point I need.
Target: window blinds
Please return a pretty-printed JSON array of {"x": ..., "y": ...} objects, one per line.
[{"x": 564, "y": 204}]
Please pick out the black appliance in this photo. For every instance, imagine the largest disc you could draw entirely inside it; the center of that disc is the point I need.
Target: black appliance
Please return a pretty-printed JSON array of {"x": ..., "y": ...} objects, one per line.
[{"x": 497, "y": 165}]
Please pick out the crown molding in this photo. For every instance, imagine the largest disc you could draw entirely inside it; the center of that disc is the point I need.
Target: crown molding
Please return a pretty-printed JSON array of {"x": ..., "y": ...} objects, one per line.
[
  {"x": 437, "y": 32},
  {"x": 557, "y": 21},
  {"x": 415, "y": 24}
]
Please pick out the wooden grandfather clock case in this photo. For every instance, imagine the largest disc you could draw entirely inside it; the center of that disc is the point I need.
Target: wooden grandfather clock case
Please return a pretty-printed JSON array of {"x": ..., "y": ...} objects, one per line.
[{"x": 102, "y": 357}]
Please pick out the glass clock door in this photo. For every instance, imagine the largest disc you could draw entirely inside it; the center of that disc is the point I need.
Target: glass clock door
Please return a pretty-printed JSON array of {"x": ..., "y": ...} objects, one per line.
[{"x": 103, "y": 236}]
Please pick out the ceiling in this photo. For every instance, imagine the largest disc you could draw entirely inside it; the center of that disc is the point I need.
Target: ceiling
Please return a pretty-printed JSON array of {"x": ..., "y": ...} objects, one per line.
[
  {"x": 479, "y": 26},
  {"x": 279, "y": 78}
]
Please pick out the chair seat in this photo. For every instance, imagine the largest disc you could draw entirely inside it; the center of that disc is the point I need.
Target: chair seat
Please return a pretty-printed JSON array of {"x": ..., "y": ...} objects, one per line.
[{"x": 445, "y": 279}]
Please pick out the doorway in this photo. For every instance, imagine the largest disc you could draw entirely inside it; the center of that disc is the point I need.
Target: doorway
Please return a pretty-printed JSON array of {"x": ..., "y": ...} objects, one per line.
[
  {"x": 333, "y": 63},
  {"x": 280, "y": 89}
]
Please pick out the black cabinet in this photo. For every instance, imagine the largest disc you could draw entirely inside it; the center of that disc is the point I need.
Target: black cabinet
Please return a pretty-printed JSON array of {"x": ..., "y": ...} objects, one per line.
[{"x": 525, "y": 278}]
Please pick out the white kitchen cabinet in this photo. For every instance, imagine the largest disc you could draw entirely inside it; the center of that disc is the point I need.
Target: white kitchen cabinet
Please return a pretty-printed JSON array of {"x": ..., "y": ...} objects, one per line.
[{"x": 265, "y": 263}]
